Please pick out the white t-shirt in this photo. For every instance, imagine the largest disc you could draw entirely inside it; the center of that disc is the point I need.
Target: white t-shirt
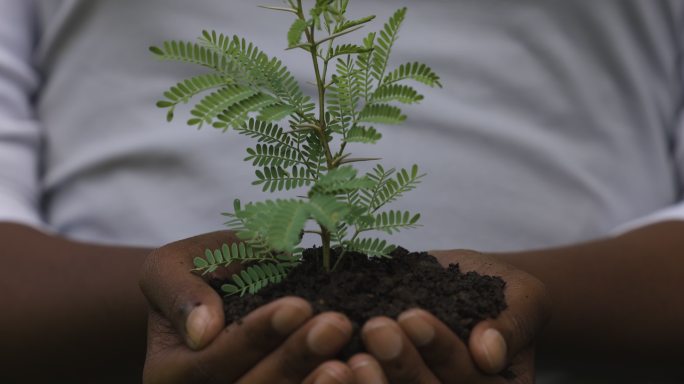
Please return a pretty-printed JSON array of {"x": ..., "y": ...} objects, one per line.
[{"x": 558, "y": 121}]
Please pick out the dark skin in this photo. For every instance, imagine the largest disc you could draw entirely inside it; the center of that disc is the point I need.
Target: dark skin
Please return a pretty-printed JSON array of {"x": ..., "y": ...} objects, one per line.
[
  {"x": 542, "y": 284},
  {"x": 613, "y": 303},
  {"x": 631, "y": 284},
  {"x": 639, "y": 266},
  {"x": 281, "y": 342},
  {"x": 71, "y": 309}
]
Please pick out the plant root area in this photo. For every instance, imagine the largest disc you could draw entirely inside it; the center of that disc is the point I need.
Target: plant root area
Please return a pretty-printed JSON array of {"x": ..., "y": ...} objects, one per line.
[{"x": 363, "y": 288}]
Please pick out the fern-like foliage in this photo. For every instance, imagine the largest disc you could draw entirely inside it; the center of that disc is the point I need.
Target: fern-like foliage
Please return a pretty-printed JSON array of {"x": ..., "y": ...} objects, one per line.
[
  {"x": 250, "y": 82},
  {"x": 281, "y": 222},
  {"x": 215, "y": 103},
  {"x": 399, "y": 93},
  {"x": 300, "y": 144},
  {"x": 386, "y": 188},
  {"x": 383, "y": 46},
  {"x": 267, "y": 133},
  {"x": 227, "y": 254},
  {"x": 276, "y": 178},
  {"x": 362, "y": 134},
  {"x": 339, "y": 181},
  {"x": 392, "y": 222},
  {"x": 414, "y": 71},
  {"x": 345, "y": 95},
  {"x": 371, "y": 247},
  {"x": 256, "y": 277},
  {"x": 381, "y": 113},
  {"x": 186, "y": 89},
  {"x": 190, "y": 52}
]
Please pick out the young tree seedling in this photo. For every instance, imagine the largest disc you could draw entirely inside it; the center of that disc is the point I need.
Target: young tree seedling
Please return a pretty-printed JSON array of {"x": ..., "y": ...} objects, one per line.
[{"x": 252, "y": 93}]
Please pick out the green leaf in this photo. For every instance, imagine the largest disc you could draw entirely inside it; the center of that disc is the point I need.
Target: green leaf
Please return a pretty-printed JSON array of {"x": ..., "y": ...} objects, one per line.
[
  {"x": 278, "y": 222},
  {"x": 288, "y": 219},
  {"x": 225, "y": 252},
  {"x": 236, "y": 114},
  {"x": 164, "y": 104},
  {"x": 217, "y": 103},
  {"x": 218, "y": 256},
  {"x": 276, "y": 112},
  {"x": 230, "y": 289},
  {"x": 246, "y": 277},
  {"x": 157, "y": 51},
  {"x": 353, "y": 23},
  {"x": 217, "y": 42},
  {"x": 268, "y": 74},
  {"x": 294, "y": 36},
  {"x": 349, "y": 49},
  {"x": 200, "y": 263},
  {"x": 392, "y": 222},
  {"x": 388, "y": 189},
  {"x": 340, "y": 180},
  {"x": 382, "y": 114},
  {"x": 395, "y": 92},
  {"x": 182, "y": 92},
  {"x": 256, "y": 277},
  {"x": 383, "y": 46},
  {"x": 344, "y": 95},
  {"x": 278, "y": 179},
  {"x": 189, "y": 52},
  {"x": 363, "y": 79},
  {"x": 238, "y": 280},
  {"x": 361, "y": 134},
  {"x": 266, "y": 133},
  {"x": 209, "y": 255},
  {"x": 273, "y": 155},
  {"x": 253, "y": 273},
  {"x": 327, "y": 211},
  {"x": 414, "y": 71},
  {"x": 371, "y": 247}
]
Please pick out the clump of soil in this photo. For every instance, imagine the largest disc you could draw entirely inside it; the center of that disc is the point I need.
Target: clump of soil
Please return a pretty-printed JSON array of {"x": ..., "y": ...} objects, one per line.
[{"x": 363, "y": 288}]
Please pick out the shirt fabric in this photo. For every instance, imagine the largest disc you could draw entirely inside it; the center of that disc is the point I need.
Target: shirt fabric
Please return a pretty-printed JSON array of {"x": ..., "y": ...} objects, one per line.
[{"x": 558, "y": 121}]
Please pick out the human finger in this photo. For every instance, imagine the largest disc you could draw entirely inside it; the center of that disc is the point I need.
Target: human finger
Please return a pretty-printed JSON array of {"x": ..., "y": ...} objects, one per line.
[
  {"x": 185, "y": 299},
  {"x": 442, "y": 350},
  {"x": 231, "y": 354},
  {"x": 366, "y": 369},
  {"x": 331, "y": 372},
  {"x": 495, "y": 342},
  {"x": 399, "y": 360},
  {"x": 320, "y": 339}
]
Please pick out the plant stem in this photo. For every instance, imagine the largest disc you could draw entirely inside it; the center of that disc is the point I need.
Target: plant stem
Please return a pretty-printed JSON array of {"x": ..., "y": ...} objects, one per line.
[
  {"x": 325, "y": 241},
  {"x": 320, "y": 82},
  {"x": 322, "y": 133}
]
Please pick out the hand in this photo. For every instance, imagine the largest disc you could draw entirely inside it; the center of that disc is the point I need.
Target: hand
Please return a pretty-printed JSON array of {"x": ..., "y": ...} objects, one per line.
[
  {"x": 418, "y": 348},
  {"x": 187, "y": 342}
]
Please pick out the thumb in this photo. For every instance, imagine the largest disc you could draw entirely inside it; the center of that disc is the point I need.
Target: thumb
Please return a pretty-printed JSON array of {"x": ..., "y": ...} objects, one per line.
[
  {"x": 494, "y": 343},
  {"x": 194, "y": 309}
]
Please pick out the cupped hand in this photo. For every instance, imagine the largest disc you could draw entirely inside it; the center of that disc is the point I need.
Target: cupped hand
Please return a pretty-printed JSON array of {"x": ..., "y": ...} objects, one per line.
[
  {"x": 281, "y": 342},
  {"x": 418, "y": 348}
]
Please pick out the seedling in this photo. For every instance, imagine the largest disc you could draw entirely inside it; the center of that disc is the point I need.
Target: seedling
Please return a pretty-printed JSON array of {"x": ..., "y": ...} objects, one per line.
[{"x": 253, "y": 94}]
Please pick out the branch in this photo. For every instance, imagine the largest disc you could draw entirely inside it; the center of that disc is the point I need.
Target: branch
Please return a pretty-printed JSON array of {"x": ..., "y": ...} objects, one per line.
[{"x": 278, "y": 8}]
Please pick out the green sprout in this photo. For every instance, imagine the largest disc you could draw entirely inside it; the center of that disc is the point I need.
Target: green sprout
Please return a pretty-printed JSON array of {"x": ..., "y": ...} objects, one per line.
[{"x": 253, "y": 94}]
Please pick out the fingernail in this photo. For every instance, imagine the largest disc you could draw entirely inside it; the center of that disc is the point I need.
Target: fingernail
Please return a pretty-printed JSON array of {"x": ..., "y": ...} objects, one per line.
[
  {"x": 384, "y": 341},
  {"x": 331, "y": 375},
  {"x": 196, "y": 326},
  {"x": 494, "y": 347},
  {"x": 417, "y": 329},
  {"x": 289, "y": 317},
  {"x": 328, "y": 335},
  {"x": 367, "y": 371}
]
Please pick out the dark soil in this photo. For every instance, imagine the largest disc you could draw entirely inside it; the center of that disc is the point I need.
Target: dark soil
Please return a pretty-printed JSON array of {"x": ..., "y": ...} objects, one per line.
[{"x": 363, "y": 288}]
